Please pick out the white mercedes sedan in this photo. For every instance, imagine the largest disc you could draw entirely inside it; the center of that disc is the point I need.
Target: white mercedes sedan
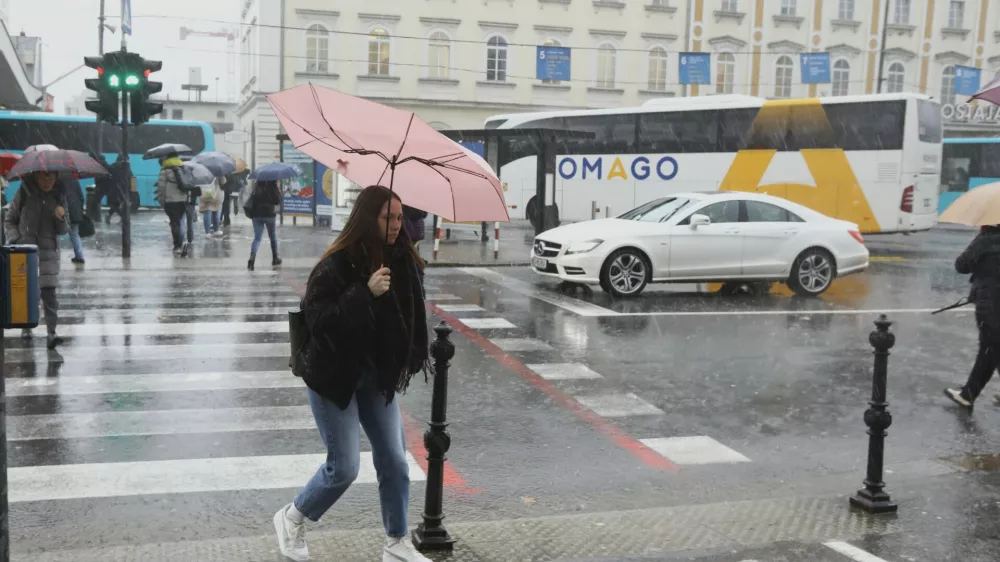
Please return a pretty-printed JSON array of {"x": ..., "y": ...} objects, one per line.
[{"x": 704, "y": 237}]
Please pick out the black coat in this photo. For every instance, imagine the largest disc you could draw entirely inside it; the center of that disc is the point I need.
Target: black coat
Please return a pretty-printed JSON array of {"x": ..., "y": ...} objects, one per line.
[
  {"x": 74, "y": 198},
  {"x": 267, "y": 197},
  {"x": 982, "y": 260},
  {"x": 353, "y": 333}
]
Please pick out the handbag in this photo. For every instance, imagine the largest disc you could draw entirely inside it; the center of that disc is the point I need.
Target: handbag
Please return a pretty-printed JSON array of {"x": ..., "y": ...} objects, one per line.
[
  {"x": 298, "y": 337},
  {"x": 250, "y": 204},
  {"x": 86, "y": 226}
]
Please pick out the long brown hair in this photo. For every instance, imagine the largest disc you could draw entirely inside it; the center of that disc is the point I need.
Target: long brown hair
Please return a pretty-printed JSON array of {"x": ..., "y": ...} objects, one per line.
[{"x": 361, "y": 237}]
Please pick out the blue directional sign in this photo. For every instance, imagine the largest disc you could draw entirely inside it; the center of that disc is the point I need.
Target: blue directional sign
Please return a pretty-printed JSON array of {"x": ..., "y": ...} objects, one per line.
[
  {"x": 695, "y": 68},
  {"x": 966, "y": 80},
  {"x": 815, "y": 68},
  {"x": 553, "y": 63}
]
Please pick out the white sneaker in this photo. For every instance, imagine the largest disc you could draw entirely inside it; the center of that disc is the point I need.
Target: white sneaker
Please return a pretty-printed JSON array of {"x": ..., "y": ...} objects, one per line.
[
  {"x": 291, "y": 537},
  {"x": 401, "y": 550}
]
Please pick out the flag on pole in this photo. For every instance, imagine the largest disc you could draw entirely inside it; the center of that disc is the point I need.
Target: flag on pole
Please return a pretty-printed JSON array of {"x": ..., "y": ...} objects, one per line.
[{"x": 127, "y": 16}]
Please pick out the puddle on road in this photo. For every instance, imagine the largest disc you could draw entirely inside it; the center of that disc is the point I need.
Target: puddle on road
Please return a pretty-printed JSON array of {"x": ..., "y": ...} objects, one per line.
[{"x": 984, "y": 462}]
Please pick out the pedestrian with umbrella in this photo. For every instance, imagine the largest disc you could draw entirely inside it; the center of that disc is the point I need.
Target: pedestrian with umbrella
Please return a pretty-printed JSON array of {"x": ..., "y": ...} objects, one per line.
[
  {"x": 367, "y": 337},
  {"x": 261, "y": 206},
  {"x": 38, "y": 215},
  {"x": 173, "y": 187}
]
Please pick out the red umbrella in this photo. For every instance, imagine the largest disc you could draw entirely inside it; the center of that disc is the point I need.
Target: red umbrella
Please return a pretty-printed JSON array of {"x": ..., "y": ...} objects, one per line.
[
  {"x": 61, "y": 161},
  {"x": 370, "y": 143},
  {"x": 989, "y": 92},
  {"x": 7, "y": 161}
]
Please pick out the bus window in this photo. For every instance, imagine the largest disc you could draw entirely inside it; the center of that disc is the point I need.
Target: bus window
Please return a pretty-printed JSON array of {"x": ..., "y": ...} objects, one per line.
[
  {"x": 929, "y": 121},
  {"x": 957, "y": 167},
  {"x": 988, "y": 164},
  {"x": 734, "y": 129},
  {"x": 142, "y": 139},
  {"x": 867, "y": 126},
  {"x": 679, "y": 131}
]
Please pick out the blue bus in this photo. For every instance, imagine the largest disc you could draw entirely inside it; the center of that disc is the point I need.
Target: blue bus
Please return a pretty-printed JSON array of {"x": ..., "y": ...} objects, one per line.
[
  {"x": 967, "y": 163},
  {"x": 19, "y": 130}
]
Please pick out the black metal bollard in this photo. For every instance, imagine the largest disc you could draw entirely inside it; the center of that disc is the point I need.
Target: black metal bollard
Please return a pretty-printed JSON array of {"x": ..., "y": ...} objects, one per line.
[
  {"x": 431, "y": 534},
  {"x": 873, "y": 498}
]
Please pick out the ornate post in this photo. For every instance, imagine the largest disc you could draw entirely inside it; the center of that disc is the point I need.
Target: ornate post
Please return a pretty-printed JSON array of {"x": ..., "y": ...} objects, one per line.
[
  {"x": 873, "y": 498},
  {"x": 431, "y": 534}
]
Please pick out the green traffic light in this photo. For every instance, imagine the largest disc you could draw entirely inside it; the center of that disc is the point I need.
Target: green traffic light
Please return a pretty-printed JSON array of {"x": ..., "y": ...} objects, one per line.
[
  {"x": 113, "y": 81},
  {"x": 132, "y": 80}
]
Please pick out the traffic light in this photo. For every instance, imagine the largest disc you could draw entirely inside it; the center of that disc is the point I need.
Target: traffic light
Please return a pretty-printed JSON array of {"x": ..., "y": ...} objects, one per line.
[
  {"x": 140, "y": 88},
  {"x": 106, "y": 104}
]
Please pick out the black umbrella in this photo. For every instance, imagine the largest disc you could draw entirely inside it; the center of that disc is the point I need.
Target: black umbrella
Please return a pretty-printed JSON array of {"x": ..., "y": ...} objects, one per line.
[{"x": 166, "y": 150}]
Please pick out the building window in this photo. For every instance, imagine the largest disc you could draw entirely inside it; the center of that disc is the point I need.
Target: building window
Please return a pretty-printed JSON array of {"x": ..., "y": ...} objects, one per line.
[
  {"x": 788, "y": 7},
  {"x": 220, "y": 114},
  {"x": 783, "y": 69},
  {"x": 897, "y": 77},
  {"x": 901, "y": 14},
  {"x": 657, "y": 69},
  {"x": 439, "y": 56},
  {"x": 378, "y": 52},
  {"x": 725, "y": 73},
  {"x": 317, "y": 49},
  {"x": 177, "y": 114},
  {"x": 948, "y": 85},
  {"x": 841, "y": 78},
  {"x": 956, "y": 14},
  {"x": 730, "y": 5},
  {"x": 845, "y": 10},
  {"x": 606, "y": 63},
  {"x": 551, "y": 43},
  {"x": 496, "y": 59},
  {"x": 660, "y": 3}
]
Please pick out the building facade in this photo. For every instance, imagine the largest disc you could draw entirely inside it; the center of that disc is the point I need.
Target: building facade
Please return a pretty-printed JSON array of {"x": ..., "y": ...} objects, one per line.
[
  {"x": 457, "y": 63},
  {"x": 29, "y": 51}
]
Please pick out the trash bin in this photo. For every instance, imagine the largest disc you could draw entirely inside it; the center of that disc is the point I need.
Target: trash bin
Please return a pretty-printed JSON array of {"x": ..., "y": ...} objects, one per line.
[{"x": 19, "y": 264}]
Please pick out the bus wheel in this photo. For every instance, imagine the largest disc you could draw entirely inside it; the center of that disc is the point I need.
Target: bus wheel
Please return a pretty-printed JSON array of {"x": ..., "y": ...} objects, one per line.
[{"x": 531, "y": 212}]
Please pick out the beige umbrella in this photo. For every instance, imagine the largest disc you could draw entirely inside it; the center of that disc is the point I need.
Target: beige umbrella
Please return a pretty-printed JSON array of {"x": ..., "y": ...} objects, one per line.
[{"x": 977, "y": 207}]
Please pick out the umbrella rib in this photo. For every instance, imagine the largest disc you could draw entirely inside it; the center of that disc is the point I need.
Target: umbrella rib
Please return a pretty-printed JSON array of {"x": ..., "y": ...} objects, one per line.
[
  {"x": 322, "y": 113},
  {"x": 454, "y": 211},
  {"x": 432, "y": 164}
]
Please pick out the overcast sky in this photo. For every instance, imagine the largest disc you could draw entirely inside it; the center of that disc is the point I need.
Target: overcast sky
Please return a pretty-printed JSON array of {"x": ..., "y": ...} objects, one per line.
[{"x": 72, "y": 34}]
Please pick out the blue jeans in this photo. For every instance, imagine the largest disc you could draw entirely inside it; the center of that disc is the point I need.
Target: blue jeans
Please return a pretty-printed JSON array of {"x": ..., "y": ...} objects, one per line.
[
  {"x": 258, "y": 235},
  {"x": 211, "y": 219},
  {"x": 74, "y": 236},
  {"x": 341, "y": 433},
  {"x": 187, "y": 222}
]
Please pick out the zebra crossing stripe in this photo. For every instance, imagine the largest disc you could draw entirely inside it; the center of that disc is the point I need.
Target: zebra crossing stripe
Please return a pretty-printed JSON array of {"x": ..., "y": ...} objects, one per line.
[
  {"x": 119, "y": 353},
  {"x": 111, "y": 384},
  {"x": 77, "y": 481},
  {"x": 186, "y": 328}
]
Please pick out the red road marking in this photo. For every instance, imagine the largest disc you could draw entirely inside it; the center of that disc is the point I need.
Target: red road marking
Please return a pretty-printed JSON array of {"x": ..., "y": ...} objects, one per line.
[
  {"x": 414, "y": 437},
  {"x": 648, "y": 456}
]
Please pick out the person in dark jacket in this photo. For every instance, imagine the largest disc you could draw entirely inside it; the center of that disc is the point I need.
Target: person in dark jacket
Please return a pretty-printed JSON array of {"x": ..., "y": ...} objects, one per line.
[
  {"x": 71, "y": 189},
  {"x": 364, "y": 308},
  {"x": 266, "y": 196},
  {"x": 982, "y": 260},
  {"x": 235, "y": 182},
  {"x": 38, "y": 216},
  {"x": 413, "y": 224}
]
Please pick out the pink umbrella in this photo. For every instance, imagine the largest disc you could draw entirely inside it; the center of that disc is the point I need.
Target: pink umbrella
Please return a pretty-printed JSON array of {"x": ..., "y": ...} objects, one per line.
[
  {"x": 370, "y": 143},
  {"x": 990, "y": 92}
]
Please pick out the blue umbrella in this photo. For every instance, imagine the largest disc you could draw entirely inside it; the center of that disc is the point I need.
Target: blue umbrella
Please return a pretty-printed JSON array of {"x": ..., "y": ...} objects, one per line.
[
  {"x": 275, "y": 171},
  {"x": 201, "y": 174},
  {"x": 220, "y": 163}
]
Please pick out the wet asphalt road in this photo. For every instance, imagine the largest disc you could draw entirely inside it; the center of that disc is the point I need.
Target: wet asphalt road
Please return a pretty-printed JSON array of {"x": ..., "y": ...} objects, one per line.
[{"x": 169, "y": 415}]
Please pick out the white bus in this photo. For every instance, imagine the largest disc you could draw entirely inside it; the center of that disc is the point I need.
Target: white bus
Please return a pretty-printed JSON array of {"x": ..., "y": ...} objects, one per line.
[{"x": 874, "y": 160}]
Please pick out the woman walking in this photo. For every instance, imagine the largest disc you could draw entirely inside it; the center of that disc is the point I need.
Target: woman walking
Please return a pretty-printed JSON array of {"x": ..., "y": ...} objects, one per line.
[
  {"x": 210, "y": 205},
  {"x": 982, "y": 260},
  {"x": 266, "y": 196},
  {"x": 364, "y": 308},
  {"x": 38, "y": 216}
]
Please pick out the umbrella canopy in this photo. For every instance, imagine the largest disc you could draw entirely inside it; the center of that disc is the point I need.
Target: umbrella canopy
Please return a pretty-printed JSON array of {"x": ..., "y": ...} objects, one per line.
[
  {"x": 370, "y": 143},
  {"x": 61, "y": 161},
  {"x": 989, "y": 92},
  {"x": 201, "y": 174},
  {"x": 241, "y": 166},
  {"x": 7, "y": 161},
  {"x": 220, "y": 163},
  {"x": 275, "y": 171},
  {"x": 166, "y": 150},
  {"x": 977, "y": 207},
  {"x": 40, "y": 148}
]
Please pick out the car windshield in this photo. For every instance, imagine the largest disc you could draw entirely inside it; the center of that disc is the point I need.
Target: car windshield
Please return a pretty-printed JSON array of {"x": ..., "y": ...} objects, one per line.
[{"x": 656, "y": 211}]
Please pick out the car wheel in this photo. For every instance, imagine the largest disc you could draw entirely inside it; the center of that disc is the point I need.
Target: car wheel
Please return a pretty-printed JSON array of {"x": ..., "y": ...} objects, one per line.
[
  {"x": 625, "y": 273},
  {"x": 604, "y": 285},
  {"x": 812, "y": 273}
]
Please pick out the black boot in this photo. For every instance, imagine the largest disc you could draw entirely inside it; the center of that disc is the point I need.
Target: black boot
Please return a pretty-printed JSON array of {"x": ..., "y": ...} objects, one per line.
[
  {"x": 275, "y": 261},
  {"x": 250, "y": 263}
]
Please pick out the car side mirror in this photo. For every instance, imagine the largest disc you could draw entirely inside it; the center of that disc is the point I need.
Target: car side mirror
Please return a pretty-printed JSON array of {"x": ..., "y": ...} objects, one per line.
[{"x": 700, "y": 220}]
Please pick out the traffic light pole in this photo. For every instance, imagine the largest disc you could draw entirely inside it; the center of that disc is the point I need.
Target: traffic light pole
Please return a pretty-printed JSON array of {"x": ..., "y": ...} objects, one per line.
[
  {"x": 100, "y": 124},
  {"x": 125, "y": 184}
]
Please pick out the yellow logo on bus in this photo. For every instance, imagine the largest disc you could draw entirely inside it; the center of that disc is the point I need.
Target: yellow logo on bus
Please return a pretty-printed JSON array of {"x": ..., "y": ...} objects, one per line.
[{"x": 836, "y": 192}]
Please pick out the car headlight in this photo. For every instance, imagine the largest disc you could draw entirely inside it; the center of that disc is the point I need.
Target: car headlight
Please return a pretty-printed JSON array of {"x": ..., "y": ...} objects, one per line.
[{"x": 583, "y": 247}]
